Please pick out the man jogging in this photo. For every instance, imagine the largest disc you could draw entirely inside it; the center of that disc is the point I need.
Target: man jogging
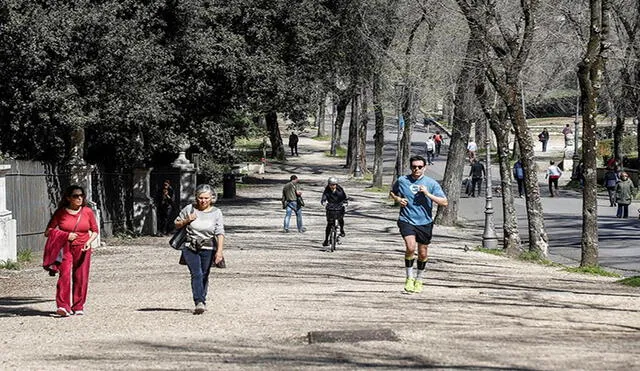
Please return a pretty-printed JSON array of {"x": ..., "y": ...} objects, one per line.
[{"x": 416, "y": 194}]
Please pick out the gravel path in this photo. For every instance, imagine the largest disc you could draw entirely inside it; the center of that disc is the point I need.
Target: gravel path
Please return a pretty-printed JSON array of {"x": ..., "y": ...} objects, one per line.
[{"x": 478, "y": 311}]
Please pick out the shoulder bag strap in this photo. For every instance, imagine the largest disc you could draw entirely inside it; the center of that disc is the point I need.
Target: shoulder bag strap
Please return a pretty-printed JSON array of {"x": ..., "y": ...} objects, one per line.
[{"x": 77, "y": 221}]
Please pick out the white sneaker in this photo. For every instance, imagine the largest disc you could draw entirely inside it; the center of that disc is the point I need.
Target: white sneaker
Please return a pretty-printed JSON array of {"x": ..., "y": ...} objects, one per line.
[
  {"x": 62, "y": 312},
  {"x": 200, "y": 308}
]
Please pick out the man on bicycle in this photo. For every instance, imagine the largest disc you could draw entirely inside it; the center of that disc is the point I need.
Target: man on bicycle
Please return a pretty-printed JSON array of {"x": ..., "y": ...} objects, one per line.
[
  {"x": 334, "y": 199},
  {"x": 416, "y": 193}
]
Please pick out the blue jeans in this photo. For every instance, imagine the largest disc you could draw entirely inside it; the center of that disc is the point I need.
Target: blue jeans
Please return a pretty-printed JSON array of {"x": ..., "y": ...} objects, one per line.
[
  {"x": 292, "y": 207},
  {"x": 199, "y": 264}
]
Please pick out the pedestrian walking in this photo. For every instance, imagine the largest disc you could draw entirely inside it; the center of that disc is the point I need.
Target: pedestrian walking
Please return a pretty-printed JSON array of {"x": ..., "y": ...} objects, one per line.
[
  {"x": 416, "y": 194},
  {"x": 611, "y": 178},
  {"x": 78, "y": 222},
  {"x": 518, "y": 175},
  {"x": 204, "y": 242},
  {"x": 553, "y": 174},
  {"x": 624, "y": 194},
  {"x": 429, "y": 149},
  {"x": 292, "y": 203},
  {"x": 438, "y": 139},
  {"x": 334, "y": 199},
  {"x": 166, "y": 206},
  {"x": 477, "y": 173},
  {"x": 472, "y": 148},
  {"x": 543, "y": 137},
  {"x": 568, "y": 134},
  {"x": 293, "y": 143}
]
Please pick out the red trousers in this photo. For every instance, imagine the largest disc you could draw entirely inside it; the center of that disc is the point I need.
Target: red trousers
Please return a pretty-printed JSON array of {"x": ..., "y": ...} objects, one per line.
[{"x": 74, "y": 267}]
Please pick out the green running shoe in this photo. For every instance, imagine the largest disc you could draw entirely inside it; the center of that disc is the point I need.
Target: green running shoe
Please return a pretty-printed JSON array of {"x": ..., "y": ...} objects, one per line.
[
  {"x": 417, "y": 287},
  {"x": 409, "y": 284}
]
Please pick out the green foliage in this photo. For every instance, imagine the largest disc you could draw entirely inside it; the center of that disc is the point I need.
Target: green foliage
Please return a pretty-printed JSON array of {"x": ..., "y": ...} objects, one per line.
[
  {"x": 595, "y": 270},
  {"x": 534, "y": 257},
  {"x": 631, "y": 281},
  {"x": 384, "y": 189},
  {"x": 323, "y": 138},
  {"x": 9, "y": 264},
  {"x": 340, "y": 152},
  {"x": 25, "y": 256},
  {"x": 498, "y": 252}
]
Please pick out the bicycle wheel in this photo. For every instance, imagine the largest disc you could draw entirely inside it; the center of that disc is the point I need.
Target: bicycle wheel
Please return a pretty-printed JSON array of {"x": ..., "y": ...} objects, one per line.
[{"x": 333, "y": 238}]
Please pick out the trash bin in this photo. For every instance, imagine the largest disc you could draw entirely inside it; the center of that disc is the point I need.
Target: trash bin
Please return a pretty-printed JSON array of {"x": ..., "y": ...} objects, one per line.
[{"x": 228, "y": 186}]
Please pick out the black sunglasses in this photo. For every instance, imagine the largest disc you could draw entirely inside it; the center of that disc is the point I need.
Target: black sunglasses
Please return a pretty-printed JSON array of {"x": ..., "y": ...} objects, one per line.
[
  {"x": 76, "y": 195},
  {"x": 417, "y": 166}
]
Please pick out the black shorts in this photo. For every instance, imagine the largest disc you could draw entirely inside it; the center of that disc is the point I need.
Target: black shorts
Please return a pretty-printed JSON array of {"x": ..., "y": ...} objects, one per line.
[{"x": 422, "y": 232}]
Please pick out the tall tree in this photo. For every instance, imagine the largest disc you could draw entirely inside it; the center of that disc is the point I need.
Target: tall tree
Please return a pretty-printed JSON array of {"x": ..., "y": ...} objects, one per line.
[
  {"x": 506, "y": 45},
  {"x": 590, "y": 71}
]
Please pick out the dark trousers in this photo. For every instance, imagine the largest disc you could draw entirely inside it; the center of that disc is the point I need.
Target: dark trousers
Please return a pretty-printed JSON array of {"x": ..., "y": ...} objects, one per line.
[
  {"x": 438, "y": 144},
  {"x": 553, "y": 183},
  {"x": 199, "y": 264},
  {"x": 544, "y": 146},
  {"x": 430, "y": 157},
  {"x": 520, "y": 186},
  {"x": 623, "y": 211},
  {"x": 294, "y": 149},
  {"x": 475, "y": 181},
  {"x": 612, "y": 195}
]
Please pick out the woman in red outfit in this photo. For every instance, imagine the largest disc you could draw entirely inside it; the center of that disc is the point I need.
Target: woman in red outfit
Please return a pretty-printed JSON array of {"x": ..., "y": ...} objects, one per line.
[{"x": 73, "y": 216}]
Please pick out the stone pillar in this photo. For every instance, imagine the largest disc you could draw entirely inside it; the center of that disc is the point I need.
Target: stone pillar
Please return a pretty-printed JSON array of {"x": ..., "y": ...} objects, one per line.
[
  {"x": 145, "y": 220},
  {"x": 188, "y": 180},
  {"x": 8, "y": 244}
]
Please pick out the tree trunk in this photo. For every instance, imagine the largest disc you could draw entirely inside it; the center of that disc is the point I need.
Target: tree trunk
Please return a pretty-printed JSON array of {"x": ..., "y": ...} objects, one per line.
[
  {"x": 618, "y": 131},
  {"x": 538, "y": 239},
  {"x": 501, "y": 128},
  {"x": 321, "y": 116},
  {"x": 590, "y": 71},
  {"x": 353, "y": 134},
  {"x": 362, "y": 132},
  {"x": 408, "y": 114},
  {"x": 341, "y": 113},
  {"x": 461, "y": 127},
  {"x": 378, "y": 136},
  {"x": 277, "y": 147}
]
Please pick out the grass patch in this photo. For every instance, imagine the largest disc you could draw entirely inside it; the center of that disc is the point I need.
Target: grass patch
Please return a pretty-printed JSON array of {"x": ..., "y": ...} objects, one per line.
[
  {"x": 324, "y": 138},
  {"x": 248, "y": 143},
  {"x": 535, "y": 257},
  {"x": 9, "y": 264},
  {"x": 25, "y": 256},
  {"x": 383, "y": 189},
  {"x": 631, "y": 281},
  {"x": 498, "y": 252},
  {"x": 340, "y": 152},
  {"x": 594, "y": 270}
]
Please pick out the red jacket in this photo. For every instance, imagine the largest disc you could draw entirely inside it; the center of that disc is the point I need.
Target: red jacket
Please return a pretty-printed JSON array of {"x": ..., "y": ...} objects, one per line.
[{"x": 56, "y": 241}]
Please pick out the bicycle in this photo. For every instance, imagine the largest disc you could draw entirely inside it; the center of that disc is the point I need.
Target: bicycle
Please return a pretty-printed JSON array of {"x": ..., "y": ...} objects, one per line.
[{"x": 334, "y": 235}]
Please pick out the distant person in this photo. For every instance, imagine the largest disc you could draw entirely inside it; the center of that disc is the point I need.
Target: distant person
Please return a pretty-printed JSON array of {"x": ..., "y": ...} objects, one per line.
[
  {"x": 77, "y": 221},
  {"x": 566, "y": 132},
  {"x": 293, "y": 143},
  {"x": 438, "y": 140},
  {"x": 624, "y": 195},
  {"x": 291, "y": 202},
  {"x": 610, "y": 181},
  {"x": 518, "y": 175},
  {"x": 543, "y": 137},
  {"x": 166, "y": 207},
  {"x": 334, "y": 200},
  {"x": 553, "y": 174},
  {"x": 476, "y": 173},
  {"x": 205, "y": 241},
  {"x": 472, "y": 148},
  {"x": 416, "y": 194},
  {"x": 429, "y": 149}
]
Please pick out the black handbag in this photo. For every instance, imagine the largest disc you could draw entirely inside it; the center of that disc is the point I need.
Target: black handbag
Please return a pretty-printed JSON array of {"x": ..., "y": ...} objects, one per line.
[
  {"x": 299, "y": 202},
  {"x": 179, "y": 238}
]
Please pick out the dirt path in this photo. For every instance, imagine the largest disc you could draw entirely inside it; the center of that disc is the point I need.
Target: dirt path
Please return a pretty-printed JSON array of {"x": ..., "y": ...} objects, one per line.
[{"x": 478, "y": 311}]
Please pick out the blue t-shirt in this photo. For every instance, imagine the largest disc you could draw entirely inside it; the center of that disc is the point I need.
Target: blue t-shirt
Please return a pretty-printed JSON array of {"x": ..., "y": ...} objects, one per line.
[{"x": 418, "y": 209}]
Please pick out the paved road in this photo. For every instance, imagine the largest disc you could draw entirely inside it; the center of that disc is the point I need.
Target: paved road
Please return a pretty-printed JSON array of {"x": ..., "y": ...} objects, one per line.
[{"x": 619, "y": 240}]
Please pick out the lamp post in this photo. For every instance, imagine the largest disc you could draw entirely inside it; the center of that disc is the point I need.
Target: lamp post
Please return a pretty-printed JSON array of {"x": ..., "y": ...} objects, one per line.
[{"x": 489, "y": 237}]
